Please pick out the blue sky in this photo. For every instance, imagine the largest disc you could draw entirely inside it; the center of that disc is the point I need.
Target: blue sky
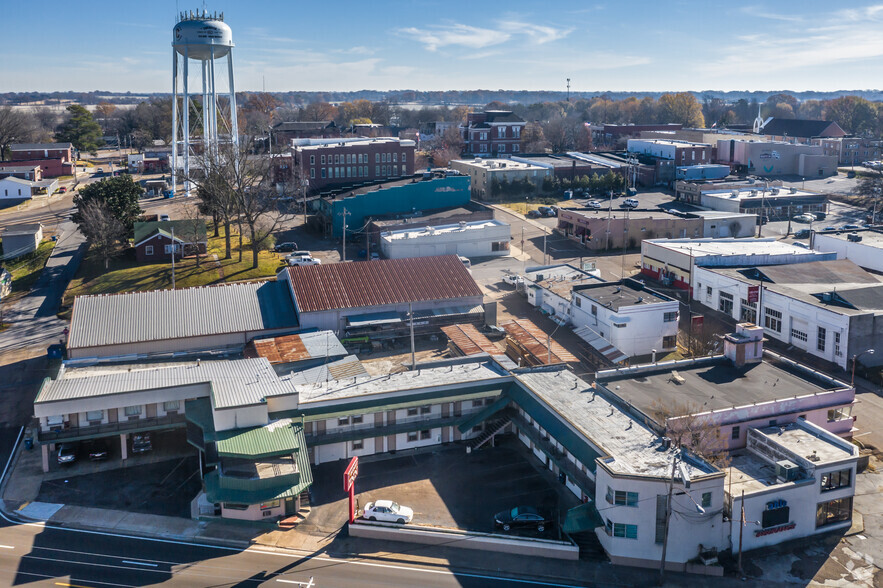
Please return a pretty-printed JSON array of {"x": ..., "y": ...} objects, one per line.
[{"x": 428, "y": 45}]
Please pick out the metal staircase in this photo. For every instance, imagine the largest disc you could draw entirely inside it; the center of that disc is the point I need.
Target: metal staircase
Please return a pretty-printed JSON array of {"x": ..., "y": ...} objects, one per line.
[{"x": 491, "y": 428}]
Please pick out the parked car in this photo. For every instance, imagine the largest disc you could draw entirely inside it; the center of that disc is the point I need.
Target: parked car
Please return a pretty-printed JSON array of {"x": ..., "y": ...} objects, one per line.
[
  {"x": 594, "y": 204},
  {"x": 67, "y": 453},
  {"x": 466, "y": 261},
  {"x": 554, "y": 210},
  {"x": 388, "y": 511},
  {"x": 820, "y": 215},
  {"x": 802, "y": 234},
  {"x": 804, "y": 218},
  {"x": 512, "y": 279},
  {"x": 534, "y": 214},
  {"x": 851, "y": 227},
  {"x": 283, "y": 247},
  {"x": 302, "y": 260},
  {"x": 164, "y": 217},
  {"x": 630, "y": 203},
  {"x": 98, "y": 449},
  {"x": 830, "y": 229},
  {"x": 545, "y": 211},
  {"x": 63, "y": 189},
  {"x": 141, "y": 443},
  {"x": 521, "y": 517}
]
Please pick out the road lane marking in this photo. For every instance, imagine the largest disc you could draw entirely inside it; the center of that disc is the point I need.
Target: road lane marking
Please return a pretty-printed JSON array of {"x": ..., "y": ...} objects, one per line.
[
  {"x": 309, "y": 584},
  {"x": 140, "y": 563},
  {"x": 7, "y": 547}
]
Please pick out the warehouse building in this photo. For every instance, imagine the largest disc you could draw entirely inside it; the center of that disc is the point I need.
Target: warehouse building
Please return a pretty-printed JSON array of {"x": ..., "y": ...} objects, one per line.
[
  {"x": 863, "y": 247},
  {"x": 487, "y": 238}
]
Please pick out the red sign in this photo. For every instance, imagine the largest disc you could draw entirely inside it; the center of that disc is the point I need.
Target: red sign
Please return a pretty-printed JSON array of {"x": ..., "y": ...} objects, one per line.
[
  {"x": 349, "y": 485},
  {"x": 350, "y": 474},
  {"x": 753, "y": 294},
  {"x": 779, "y": 529},
  {"x": 696, "y": 322}
]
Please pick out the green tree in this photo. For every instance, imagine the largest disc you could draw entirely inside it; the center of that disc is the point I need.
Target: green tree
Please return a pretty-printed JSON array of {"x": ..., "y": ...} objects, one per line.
[
  {"x": 680, "y": 108},
  {"x": 855, "y": 115},
  {"x": 80, "y": 129},
  {"x": 117, "y": 196}
]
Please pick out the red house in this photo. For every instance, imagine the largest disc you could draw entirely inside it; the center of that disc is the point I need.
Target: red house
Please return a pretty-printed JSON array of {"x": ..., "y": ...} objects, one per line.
[{"x": 155, "y": 243}]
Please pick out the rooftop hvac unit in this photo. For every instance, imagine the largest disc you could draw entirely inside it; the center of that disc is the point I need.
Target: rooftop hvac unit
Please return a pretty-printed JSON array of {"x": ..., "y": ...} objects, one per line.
[
  {"x": 754, "y": 193},
  {"x": 793, "y": 190},
  {"x": 787, "y": 471}
]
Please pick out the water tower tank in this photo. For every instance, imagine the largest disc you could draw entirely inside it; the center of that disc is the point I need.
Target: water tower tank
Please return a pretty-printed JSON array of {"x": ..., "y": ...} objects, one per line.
[{"x": 199, "y": 35}]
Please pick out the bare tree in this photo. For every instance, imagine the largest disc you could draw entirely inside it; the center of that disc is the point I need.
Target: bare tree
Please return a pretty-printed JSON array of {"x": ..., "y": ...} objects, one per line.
[
  {"x": 104, "y": 231},
  {"x": 105, "y": 109},
  {"x": 688, "y": 426},
  {"x": 14, "y": 126}
]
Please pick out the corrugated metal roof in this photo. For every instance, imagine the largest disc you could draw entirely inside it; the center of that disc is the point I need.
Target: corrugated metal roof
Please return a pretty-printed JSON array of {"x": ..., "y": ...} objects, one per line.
[
  {"x": 380, "y": 282},
  {"x": 230, "y": 383},
  {"x": 602, "y": 345},
  {"x": 294, "y": 348},
  {"x": 112, "y": 319},
  {"x": 276, "y": 438},
  {"x": 469, "y": 341},
  {"x": 533, "y": 339},
  {"x": 348, "y": 367}
]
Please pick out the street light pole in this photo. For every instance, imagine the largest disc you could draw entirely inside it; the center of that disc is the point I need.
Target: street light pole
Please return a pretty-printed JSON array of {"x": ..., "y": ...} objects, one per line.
[{"x": 855, "y": 360}]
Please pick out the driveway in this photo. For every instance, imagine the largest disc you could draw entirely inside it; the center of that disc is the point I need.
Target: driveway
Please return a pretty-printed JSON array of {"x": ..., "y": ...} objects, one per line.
[{"x": 32, "y": 318}]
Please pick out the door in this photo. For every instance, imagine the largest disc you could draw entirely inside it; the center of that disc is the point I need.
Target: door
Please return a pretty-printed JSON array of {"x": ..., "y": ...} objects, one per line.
[
  {"x": 151, "y": 411},
  {"x": 391, "y": 443},
  {"x": 320, "y": 427},
  {"x": 74, "y": 419},
  {"x": 446, "y": 409},
  {"x": 446, "y": 434},
  {"x": 391, "y": 417},
  {"x": 113, "y": 415},
  {"x": 378, "y": 445}
]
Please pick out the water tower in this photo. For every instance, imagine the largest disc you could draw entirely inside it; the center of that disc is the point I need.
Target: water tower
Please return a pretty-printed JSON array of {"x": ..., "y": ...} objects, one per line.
[{"x": 206, "y": 39}]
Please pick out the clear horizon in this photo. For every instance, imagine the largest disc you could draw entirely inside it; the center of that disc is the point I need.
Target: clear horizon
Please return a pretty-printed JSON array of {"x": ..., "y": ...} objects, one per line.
[{"x": 436, "y": 46}]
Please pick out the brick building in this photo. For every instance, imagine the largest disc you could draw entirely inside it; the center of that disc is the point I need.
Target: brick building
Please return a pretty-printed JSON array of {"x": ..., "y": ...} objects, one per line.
[
  {"x": 33, "y": 173},
  {"x": 284, "y": 132},
  {"x": 329, "y": 164},
  {"x": 55, "y": 159},
  {"x": 492, "y": 132}
]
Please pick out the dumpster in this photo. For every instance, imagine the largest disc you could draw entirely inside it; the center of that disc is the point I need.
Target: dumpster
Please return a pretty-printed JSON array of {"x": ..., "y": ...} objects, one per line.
[
  {"x": 29, "y": 442},
  {"x": 56, "y": 351}
]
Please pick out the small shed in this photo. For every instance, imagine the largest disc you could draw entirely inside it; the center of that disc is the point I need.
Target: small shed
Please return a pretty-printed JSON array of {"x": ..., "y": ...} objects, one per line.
[{"x": 19, "y": 240}]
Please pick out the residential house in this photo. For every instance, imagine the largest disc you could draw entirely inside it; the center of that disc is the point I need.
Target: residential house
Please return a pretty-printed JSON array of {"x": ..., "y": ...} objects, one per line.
[{"x": 157, "y": 241}]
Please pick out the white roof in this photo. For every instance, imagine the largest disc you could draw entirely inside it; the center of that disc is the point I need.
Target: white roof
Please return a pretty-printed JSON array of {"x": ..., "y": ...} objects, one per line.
[
  {"x": 498, "y": 164},
  {"x": 726, "y": 247},
  {"x": 756, "y": 192},
  {"x": 430, "y": 232}
]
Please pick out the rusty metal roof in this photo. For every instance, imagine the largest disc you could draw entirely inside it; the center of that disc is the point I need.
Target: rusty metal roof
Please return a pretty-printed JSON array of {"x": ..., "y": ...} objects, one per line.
[
  {"x": 469, "y": 340},
  {"x": 380, "y": 282},
  {"x": 294, "y": 348},
  {"x": 533, "y": 339}
]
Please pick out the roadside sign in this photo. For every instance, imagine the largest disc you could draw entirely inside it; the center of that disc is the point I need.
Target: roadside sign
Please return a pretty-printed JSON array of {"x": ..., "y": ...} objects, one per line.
[
  {"x": 753, "y": 294},
  {"x": 349, "y": 485}
]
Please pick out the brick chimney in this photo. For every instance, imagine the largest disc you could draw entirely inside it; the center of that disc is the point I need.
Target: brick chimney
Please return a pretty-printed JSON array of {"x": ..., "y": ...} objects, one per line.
[{"x": 745, "y": 346}]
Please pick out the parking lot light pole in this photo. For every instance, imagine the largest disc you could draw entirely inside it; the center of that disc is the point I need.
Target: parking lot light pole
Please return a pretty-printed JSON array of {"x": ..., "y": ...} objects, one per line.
[{"x": 854, "y": 361}]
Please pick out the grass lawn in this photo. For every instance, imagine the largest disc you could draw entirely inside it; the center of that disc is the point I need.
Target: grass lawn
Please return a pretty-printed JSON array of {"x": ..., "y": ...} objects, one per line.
[
  {"x": 26, "y": 270},
  {"x": 125, "y": 274}
]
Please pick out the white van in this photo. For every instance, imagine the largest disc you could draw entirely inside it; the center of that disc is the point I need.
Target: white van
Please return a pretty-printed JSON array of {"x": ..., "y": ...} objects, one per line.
[
  {"x": 465, "y": 261},
  {"x": 631, "y": 202}
]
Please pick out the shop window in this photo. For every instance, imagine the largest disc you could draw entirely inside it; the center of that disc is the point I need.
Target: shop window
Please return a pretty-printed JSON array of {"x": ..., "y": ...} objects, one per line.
[
  {"x": 773, "y": 320},
  {"x": 725, "y": 303},
  {"x": 270, "y": 504},
  {"x": 833, "y": 511},
  {"x": 836, "y": 480},
  {"x": 670, "y": 342}
]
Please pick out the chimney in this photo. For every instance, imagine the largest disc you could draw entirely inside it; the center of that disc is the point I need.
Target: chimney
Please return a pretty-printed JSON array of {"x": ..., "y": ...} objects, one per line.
[{"x": 745, "y": 346}]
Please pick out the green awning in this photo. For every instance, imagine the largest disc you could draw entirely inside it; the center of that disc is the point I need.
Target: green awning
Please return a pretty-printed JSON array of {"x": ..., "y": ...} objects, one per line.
[
  {"x": 582, "y": 518},
  {"x": 277, "y": 438}
]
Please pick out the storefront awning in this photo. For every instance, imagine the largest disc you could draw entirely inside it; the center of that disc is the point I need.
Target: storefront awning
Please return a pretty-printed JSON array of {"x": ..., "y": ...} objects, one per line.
[{"x": 601, "y": 345}]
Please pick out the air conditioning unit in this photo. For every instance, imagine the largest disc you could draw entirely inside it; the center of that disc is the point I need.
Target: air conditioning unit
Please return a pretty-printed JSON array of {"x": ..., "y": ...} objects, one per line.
[{"x": 787, "y": 471}]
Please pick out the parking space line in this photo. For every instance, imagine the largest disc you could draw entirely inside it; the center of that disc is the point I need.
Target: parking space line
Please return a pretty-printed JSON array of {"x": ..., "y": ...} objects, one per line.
[
  {"x": 7, "y": 547},
  {"x": 309, "y": 584},
  {"x": 140, "y": 563}
]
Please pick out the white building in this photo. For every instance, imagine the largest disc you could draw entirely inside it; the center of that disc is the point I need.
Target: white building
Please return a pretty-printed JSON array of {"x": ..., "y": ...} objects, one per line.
[
  {"x": 627, "y": 315},
  {"x": 550, "y": 288},
  {"x": 487, "y": 238},
  {"x": 17, "y": 188},
  {"x": 485, "y": 174},
  {"x": 828, "y": 309},
  {"x": 773, "y": 202},
  {"x": 862, "y": 247},
  {"x": 672, "y": 261}
]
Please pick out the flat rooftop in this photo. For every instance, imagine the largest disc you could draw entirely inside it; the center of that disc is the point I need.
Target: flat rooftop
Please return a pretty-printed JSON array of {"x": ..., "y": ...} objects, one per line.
[
  {"x": 673, "y": 142},
  {"x": 498, "y": 164},
  {"x": 870, "y": 237},
  {"x": 619, "y": 212},
  {"x": 635, "y": 449},
  {"x": 614, "y": 295},
  {"x": 732, "y": 247},
  {"x": 805, "y": 443},
  {"x": 755, "y": 192},
  {"x": 560, "y": 279},
  {"x": 711, "y": 383},
  {"x": 429, "y": 232}
]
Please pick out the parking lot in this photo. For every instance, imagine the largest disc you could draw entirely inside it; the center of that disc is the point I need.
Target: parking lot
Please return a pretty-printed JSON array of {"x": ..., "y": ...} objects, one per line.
[{"x": 446, "y": 487}]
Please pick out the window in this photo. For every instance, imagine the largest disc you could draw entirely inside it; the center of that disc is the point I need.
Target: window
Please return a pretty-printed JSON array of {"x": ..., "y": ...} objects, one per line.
[
  {"x": 501, "y": 132},
  {"x": 773, "y": 422},
  {"x": 169, "y": 248},
  {"x": 773, "y": 320},
  {"x": 171, "y": 405},
  {"x": 622, "y": 530},
  {"x": 833, "y": 511},
  {"x": 836, "y": 479},
  {"x": 358, "y": 419},
  {"x": 395, "y": 170},
  {"x": 376, "y": 170},
  {"x": 478, "y": 403},
  {"x": 312, "y": 160},
  {"x": 424, "y": 434},
  {"x": 798, "y": 335},
  {"x": 358, "y": 444},
  {"x": 670, "y": 317},
  {"x": 821, "y": 337},
  {"x": 708, "y": 292},
  {"x": 515, "y": 148},
  {"x": 706, "y": 499},
  {"x": 312, "y": 173},
  {"x": 349, "y": 158},
  {"x": 735, "y": 432},
  {"x": 337, "y": 158},
  {"x": 395, "y": 157},
  {"x": 483, "y": 148},
  {"x": 376, "y": 158},
  {"x": 322, "y": 160},
  {"x": 502, "y": 148},
  {"x": 621, "y": 497},
  {"x": 725, "y": 303},
  {"x": 270, "y": 504},
  {"x": 619, "y": 325},
  {"x": 579, "y": 301},
  {"x": 836, "y": 414},
  {"x": 235, "y": 506},
  {"x": 837, "y": 350},
  {"x": 95, "y": 415},
  {"x": 341, "y": 421},
  {"x": 148, "y": 250},
  {"x": 412, "y": 436},
  {"x": 403, "y": 157},
  {"x": 500, "y": 245},
  {"x": 412, "y": 411},
  {"x": 670, "y": 342},
  {"x": 748, "y": 312},
  {"x": 132, "y": 410},
  {"x": 516, "y": 132},
  {"x": 594, "y": 310},
  {"x": 323, "y": 172},
  {"x": 425, "y": 409}
]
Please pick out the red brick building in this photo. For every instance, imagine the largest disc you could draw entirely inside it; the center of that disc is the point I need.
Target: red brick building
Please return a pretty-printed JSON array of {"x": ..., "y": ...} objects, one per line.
[
  {"x": 33, "y": 173},
  {"x": 284, "y": 132},
  {"x": 492, "y": 132},
  {"x": 55, "y": 159},
  {"x": 348, "y": 162}
]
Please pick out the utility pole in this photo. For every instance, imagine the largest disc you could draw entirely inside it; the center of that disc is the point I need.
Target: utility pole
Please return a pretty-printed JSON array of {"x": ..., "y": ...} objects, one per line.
[
  {"x": 762, "y": 214},
  {"x": 789, "y": 221},
  {"x": 304, "y": 184},
  {"x": 671, "y": 483},
  {"x": 544, "y": 247},
  {"x": 173, "y": 258},
  {"x": 413, "y": 351},
  {"x": 524, "y": 265},
  {"x": 344, "y": 214},
  {"x": 368, "y": 240},
  {"x": 568, "y": 89},
  {"x": 741, "y": 526}
]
